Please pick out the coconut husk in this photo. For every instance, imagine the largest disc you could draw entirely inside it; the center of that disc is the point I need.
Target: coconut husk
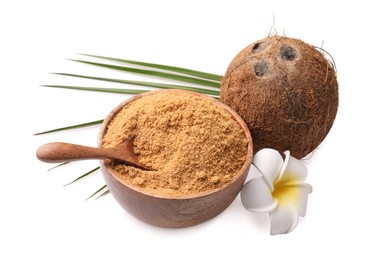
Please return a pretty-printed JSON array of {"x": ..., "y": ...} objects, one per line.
[{"x": 286, "y": 91}]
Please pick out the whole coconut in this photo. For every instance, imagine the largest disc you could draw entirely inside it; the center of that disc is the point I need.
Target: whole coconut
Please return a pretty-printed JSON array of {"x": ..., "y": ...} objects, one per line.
[{"x": 286, "y": 91}]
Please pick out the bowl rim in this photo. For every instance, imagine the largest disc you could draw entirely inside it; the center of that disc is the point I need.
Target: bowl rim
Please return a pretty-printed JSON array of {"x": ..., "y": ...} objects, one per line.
[{"x": 242, "y": 171}]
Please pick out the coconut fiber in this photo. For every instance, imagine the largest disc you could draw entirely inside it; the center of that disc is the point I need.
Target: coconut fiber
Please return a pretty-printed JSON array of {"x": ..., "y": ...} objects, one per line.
[{"x": 286, "y": 91}]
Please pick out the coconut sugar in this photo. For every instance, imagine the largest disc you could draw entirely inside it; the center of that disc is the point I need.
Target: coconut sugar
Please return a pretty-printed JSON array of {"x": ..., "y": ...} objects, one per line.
[{"x": 193, "y": 143}]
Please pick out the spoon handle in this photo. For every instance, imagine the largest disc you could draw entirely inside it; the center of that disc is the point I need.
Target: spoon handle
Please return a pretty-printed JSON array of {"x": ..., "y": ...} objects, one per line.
[{"x": 61, "y": 152}]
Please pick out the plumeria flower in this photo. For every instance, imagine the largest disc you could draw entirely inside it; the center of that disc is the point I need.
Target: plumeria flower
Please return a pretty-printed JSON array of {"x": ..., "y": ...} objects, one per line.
[{"x": 280, "y": 189}]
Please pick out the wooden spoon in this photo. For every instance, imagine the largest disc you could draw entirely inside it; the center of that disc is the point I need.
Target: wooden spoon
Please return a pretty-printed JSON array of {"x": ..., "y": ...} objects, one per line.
[{"x": 61, "y": 152}]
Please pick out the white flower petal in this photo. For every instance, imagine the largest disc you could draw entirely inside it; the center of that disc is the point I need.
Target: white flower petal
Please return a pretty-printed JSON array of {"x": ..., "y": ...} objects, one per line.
[
  {"x": 269, "y": 162},
  {"x": 293, "y": 169},
  {"x": 301, "y": 205},
  {"x": 253, "y": 172},
  {"x": 256, "y": 196},
  {"x": 284, "y": 219}
]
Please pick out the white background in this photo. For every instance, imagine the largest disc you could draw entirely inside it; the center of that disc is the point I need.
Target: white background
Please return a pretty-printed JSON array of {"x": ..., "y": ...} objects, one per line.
[{"x": 41, "y": 219}]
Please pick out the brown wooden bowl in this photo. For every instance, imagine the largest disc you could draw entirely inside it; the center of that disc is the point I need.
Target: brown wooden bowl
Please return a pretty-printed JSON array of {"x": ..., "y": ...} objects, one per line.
[{"x": 166, "y": 211}]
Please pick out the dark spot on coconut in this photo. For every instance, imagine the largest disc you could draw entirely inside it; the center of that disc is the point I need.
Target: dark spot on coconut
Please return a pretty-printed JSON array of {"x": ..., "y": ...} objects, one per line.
[
  {"x": 288, "y": 53},
  {"x": 260, "y": 46},
  {"x": 261, "y": 68},
  {"x": 256, "y": 47}
]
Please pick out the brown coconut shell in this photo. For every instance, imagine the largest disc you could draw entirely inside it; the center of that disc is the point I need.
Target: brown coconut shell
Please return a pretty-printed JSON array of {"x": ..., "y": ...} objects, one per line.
[{"x": 286, "y": 91}]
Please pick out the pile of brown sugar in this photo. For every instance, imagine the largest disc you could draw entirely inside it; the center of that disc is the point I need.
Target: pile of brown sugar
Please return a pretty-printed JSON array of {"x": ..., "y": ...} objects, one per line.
[{"x": 193, "y": 143}]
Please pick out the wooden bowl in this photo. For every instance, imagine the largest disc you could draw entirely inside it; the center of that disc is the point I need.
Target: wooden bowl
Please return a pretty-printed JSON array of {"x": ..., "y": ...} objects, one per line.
[{"x": 166, "y": 211}]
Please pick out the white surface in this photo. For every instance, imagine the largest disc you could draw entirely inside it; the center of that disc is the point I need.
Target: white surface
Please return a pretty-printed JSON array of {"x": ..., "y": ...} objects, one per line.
[{"x": 41, "y": 219}]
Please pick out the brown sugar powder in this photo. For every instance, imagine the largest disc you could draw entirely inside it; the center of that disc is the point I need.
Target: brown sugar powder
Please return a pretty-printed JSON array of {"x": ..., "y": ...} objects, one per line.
[{"x": 192, "y": 142}]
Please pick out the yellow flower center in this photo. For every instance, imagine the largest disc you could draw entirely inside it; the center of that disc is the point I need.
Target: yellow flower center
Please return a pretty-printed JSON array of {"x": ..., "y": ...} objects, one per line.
[{"x": 286, "y": 190}]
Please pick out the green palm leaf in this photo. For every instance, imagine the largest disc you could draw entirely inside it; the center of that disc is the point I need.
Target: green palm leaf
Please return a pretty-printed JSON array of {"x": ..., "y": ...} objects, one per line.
[
  {"x": 92, "y": 123},
  {"x": 57, "y": 166},
  {"x": 107, "y": 90},
  {"x": 83, "y": 176},
  {"x": 102, "y": 191},
  {"x": 155, "y": 73},
  {"x": 195, "y": 73},
  {"x": 103, "y": 194},
  {"x": 133, "y": 82}
]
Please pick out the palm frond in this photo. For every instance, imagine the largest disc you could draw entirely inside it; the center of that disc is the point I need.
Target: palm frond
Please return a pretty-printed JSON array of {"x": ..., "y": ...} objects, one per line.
[
  {"x": 103, "y": 194},
  {"x": 107, "y": 90},
  {"x": 181, "y": 70},
  {"x": 102, "y": 191},
  {"x": 155, "y": 73},
  {"x": 97, "y": 122},
  {"x": 57, "y": 166},
  {"x": 138, "y": 83},
  {"x": 83, "y": 176}
]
